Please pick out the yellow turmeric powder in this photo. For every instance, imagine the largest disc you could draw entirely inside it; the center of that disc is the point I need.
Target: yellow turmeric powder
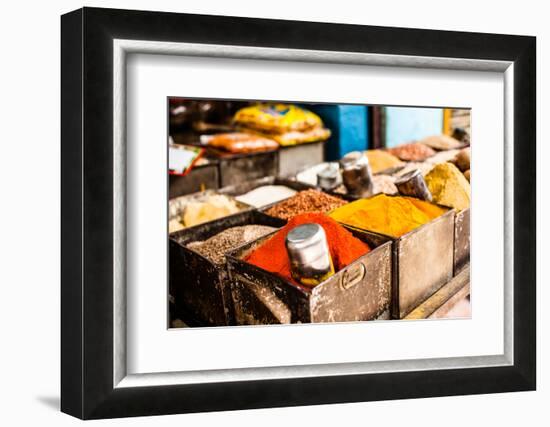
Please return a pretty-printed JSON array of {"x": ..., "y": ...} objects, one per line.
[
  {"x": 392, "y": 216},
  {"x": 448, "y": 186},
  {"x": 381, "y": 160}
]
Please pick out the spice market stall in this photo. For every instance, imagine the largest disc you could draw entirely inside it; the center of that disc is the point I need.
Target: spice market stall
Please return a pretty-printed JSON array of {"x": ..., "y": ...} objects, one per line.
[{"x": 373, "y": 235}]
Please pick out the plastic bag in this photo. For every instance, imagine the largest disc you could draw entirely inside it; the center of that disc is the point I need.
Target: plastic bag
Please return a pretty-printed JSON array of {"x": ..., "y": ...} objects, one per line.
[
  {"x": 296, "y": 137},
  {"x": 240, "y": 142},
  {"x": 277, "y": 118}
]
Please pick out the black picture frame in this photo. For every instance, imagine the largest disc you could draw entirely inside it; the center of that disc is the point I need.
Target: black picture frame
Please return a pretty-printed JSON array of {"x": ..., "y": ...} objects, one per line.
[{"x": 87, "y": 385}]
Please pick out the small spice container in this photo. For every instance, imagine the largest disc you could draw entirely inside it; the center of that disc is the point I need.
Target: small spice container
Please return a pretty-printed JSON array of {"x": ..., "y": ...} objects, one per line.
[
  {"x": 462, "y": 240},
  {"x": 199, "y": 286},
  {"x": 422, "y": 262},
  {"x": 356, "y": 174},
  {"x": 413, "y": 184},
  {"x": 360, "y": 291},
  {"x": 309, "y": 254},
  {"x": 382, "y": 184},
  {"x": 328, "y": 178}
]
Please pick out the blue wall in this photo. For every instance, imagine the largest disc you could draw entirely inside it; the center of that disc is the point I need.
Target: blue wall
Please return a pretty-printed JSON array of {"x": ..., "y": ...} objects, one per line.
[
  {"x": 406, "y": 124},
  {"x": 349, "y": 125}
]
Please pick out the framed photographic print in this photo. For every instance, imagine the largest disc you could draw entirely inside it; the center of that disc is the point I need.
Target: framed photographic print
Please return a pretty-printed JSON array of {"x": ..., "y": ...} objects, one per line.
[{"x": 261, "y": 213}]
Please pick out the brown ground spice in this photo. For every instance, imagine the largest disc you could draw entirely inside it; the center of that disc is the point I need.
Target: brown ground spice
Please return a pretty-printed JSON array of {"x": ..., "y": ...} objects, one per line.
[
  {"x": 303, "y": 202},
  {"x": 216, "y": 246},
  {"x": 414, "y": 152}
]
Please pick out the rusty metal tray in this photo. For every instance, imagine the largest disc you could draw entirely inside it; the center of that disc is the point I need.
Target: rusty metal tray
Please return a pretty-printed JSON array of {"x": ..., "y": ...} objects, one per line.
[
  {"x": 200, "y": 288},
  {"x": 361, "y": 291}
]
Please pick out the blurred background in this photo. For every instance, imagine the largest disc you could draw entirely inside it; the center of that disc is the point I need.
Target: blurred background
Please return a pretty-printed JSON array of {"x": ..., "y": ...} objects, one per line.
[{"x": 206, "y": 126}]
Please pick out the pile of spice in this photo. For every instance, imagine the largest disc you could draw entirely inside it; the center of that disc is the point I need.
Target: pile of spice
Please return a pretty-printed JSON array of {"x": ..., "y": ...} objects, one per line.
[
  {"x": 344, "y": 247},
  {"x": 303, "y": 202},
  {"x": 392, "y": 216},
  {"x": 413, "y": 152},
  {"x": 380, "y": 160},
  {"x": 441, "y": 142},
  {"x": 449, "y": 187},
  {"x": 265, "y": 195},
  {"x": 216, "y": 246},
  {"x": 212, "y": 207},
  {"x": 174, "y": 225}
]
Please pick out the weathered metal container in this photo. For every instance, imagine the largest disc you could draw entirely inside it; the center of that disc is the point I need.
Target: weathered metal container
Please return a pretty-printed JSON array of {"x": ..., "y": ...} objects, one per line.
[
  {"x": 204, "y": 176},
  {"x": 294, "y": 158},
  {"x": 422, "y": 263},
  {"x": 445, "y": 299},
  {"x": 361, "y": 291},
  {"x": 342, "y": 192},
  {"x": 462, "y": 240},
  {"x": 239, "y": 168},
  {"x": 200, "y": 288}
]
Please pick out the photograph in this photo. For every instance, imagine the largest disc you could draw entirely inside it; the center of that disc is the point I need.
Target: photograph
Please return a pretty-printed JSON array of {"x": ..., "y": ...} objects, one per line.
[
  {"x": 294, "y": 212},
  {"x": 279, "y": 212}
]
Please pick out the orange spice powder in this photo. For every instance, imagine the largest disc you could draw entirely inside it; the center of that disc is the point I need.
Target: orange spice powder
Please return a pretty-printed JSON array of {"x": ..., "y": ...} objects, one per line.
[{"x": 344, "y": 247}]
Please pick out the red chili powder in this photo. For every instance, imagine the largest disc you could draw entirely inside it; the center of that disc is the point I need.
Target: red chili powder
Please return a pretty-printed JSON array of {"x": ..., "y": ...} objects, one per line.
[{"x": 344, "y": 247}]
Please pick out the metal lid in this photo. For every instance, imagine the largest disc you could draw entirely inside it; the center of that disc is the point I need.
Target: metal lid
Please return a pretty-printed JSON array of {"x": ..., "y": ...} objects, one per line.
[
  {"x": 328, "y": 177},
  {"x": 305, "y": 236}
]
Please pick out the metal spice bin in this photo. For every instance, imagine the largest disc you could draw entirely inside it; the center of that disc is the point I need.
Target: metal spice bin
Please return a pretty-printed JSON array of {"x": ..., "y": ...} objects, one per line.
[
  {"x": 294, "y": 158},
  {"x": 360, "y": 291},
  {"x": 422, "y": 263},
  {"x": 200, "y": 288},
  {"x": 462, "y": 240},
  {"x": 201, "y": 176},
  {"x": 239, "y": 168}
]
